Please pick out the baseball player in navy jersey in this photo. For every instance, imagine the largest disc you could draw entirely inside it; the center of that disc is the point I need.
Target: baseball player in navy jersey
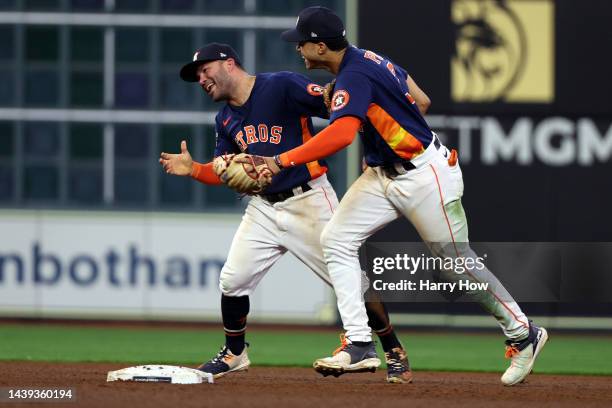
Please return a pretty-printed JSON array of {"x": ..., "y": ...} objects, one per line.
[
  {"x": 268, "y": 114},
  {"x": 410, "y": 173}
]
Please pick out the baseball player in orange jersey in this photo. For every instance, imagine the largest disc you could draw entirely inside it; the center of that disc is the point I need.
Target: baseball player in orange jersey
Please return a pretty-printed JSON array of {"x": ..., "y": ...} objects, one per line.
[
  {"x": 289, "y": 215},
  {"x": 409, "y": 173}
]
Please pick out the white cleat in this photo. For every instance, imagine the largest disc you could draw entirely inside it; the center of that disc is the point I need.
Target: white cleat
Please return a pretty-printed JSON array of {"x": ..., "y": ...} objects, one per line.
[
  {"x": 348, "y": 358},
  {"x": 523, "y": 355}
]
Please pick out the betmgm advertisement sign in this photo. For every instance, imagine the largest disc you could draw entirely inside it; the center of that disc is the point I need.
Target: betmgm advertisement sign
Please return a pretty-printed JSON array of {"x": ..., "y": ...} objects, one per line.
[{"x": 503, "y": 51}]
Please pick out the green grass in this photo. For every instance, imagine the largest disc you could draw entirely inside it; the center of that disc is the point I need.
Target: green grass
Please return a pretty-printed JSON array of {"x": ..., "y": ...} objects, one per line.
[{"x": 564, "y": 354}]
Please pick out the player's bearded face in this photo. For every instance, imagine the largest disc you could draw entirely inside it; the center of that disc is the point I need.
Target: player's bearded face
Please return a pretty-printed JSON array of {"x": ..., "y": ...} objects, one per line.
[{"x": 215, "y": 80}]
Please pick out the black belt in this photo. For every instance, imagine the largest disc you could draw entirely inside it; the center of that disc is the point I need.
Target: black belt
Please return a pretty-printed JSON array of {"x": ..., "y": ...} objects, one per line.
[
  {"x": 407, "y": 165},
  {"x": 283, "y": 195}
]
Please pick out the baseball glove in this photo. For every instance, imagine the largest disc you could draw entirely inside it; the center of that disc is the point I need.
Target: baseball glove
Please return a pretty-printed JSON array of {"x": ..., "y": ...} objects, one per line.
[
  {"x": 221, "y": 163},
  {"x": 328, "y": 92},
  {"x": 247, "y": 174}
]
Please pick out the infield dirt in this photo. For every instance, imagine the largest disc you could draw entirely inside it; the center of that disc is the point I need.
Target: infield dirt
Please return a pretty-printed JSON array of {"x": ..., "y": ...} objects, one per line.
[{"x": 302, "y": 387}]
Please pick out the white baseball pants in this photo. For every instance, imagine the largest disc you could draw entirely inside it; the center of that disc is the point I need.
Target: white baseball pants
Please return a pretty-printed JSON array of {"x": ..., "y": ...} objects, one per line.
[
  {"x": 268, "y": 230},
  {"x": 429, "y": 196}
]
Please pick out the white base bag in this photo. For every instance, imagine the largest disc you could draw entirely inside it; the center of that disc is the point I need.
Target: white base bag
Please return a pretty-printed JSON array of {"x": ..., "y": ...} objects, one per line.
[{"x": 160, "y": 373}]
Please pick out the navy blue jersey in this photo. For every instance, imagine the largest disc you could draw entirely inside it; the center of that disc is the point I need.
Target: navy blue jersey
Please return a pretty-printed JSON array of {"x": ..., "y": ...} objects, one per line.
[
  {"x": 275, "y": 119},
  {"x": 374, "y": 89}
]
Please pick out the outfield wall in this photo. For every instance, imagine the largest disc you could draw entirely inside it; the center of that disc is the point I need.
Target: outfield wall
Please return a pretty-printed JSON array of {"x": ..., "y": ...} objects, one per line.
[{"x": 139, "y": 266}]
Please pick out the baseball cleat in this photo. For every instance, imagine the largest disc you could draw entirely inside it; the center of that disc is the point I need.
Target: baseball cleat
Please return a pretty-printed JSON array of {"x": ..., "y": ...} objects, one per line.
[
  {"x": 348, "y": 358},
  {"x": 226, "y": 362},
  {"x": 523, "y": 355},
  {"x": 398, "y": 367}
]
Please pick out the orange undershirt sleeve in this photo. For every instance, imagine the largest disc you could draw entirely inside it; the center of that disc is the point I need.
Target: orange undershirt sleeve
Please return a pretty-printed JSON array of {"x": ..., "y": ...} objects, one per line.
[
  {"x": 333, "y": 138},
  {"x": 204, "y": 173}
]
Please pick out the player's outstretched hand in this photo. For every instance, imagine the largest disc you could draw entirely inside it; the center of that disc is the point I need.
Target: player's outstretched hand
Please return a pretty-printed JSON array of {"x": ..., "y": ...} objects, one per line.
[{"x": 178, "y": 164}]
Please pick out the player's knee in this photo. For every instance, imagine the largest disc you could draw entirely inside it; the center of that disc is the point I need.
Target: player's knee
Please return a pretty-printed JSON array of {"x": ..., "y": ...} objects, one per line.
[
  {"x": 329, "y": 238},
  {"x": 231, "y": 290},
  {"x": 230, "y": 284},
  {"x": 225, "y": 286},
  {"x": 334, "y": 243}
]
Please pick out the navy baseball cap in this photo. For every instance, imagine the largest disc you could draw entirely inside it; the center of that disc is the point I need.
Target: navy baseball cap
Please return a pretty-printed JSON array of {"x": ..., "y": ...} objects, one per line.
[
  {"x": 314, "y": 24},
  {"x": 209, "y": 52}
]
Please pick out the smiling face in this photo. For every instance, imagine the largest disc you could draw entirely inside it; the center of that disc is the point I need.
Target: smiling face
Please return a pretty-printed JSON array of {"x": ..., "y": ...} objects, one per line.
[
  {"x": 215, "y": 80},
  {"x": 311, "y": 53}
]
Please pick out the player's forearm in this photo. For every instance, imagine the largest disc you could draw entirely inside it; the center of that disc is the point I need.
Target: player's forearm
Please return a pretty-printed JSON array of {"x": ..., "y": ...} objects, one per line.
[
  {"x": 424, "y": 106},
  {"x": 333, "y": 138},
  {"x": 422, "y": 100},
  {"x": 204, "y": 173}
]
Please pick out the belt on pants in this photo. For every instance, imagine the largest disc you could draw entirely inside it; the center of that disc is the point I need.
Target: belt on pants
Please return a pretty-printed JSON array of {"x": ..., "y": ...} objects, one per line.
[
  {"x": 283, "y": 195},
  {"x": 391, "y": 169}
]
